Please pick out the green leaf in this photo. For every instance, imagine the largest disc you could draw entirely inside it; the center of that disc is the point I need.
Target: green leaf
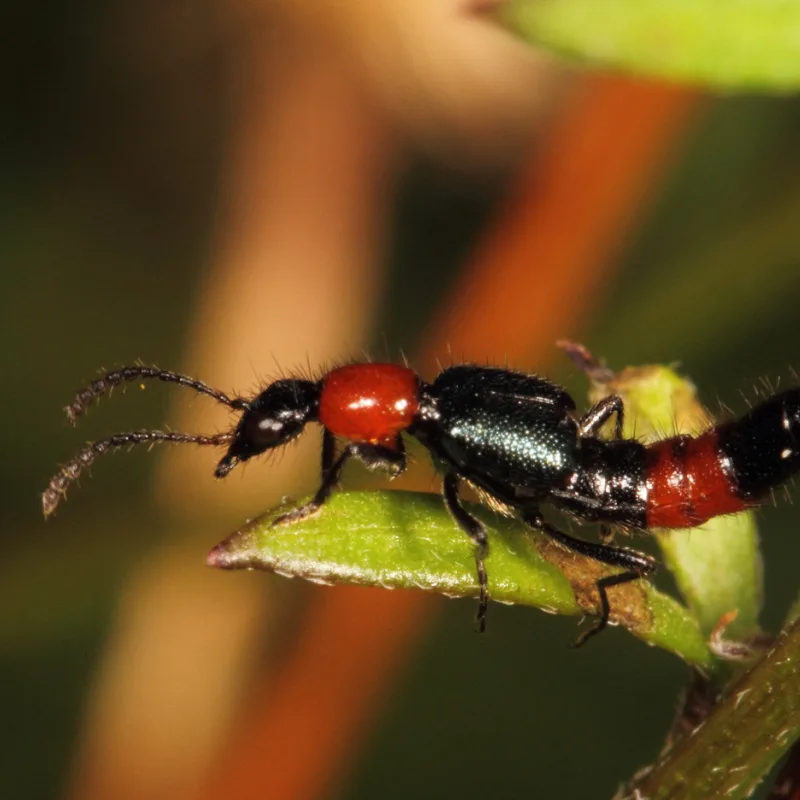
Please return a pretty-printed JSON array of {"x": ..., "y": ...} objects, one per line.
[
  {"x": 407, "y": 540},
  {"x": 738, "y": 44}
]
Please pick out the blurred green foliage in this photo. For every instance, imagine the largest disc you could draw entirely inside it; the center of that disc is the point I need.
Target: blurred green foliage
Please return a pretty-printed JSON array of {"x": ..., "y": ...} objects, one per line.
[{"x": 743, "y": 44}]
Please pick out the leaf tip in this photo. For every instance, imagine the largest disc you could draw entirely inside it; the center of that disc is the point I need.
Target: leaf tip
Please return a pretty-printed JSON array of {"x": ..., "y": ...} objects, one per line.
[
  {"x": 229, "y": 554},
  {"x": 218, "y": 556}
]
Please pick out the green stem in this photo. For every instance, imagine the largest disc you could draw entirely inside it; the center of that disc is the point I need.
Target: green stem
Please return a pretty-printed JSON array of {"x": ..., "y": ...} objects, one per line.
[{"x": 754, "y": 724}]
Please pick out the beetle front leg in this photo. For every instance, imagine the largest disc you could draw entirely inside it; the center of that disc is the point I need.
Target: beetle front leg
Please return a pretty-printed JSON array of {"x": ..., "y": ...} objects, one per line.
[{"x": 477, "y": 532}]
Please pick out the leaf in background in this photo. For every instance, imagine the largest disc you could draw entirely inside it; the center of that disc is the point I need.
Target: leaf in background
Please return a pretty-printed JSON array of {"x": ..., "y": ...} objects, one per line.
[{"x": 739, "y": 44}]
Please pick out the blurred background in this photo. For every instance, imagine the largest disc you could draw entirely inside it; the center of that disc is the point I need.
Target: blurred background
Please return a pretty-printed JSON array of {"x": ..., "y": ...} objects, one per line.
[{"x": 237, "y": 190}]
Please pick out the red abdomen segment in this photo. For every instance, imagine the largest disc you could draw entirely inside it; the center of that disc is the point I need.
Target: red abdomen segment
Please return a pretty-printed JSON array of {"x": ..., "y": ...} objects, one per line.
[
  {"x": 688, "y": 483},
  {"x": 369, "y": 402}
]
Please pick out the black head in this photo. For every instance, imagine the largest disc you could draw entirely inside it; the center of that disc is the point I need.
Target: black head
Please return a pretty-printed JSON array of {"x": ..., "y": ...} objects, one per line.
[{"x": 274, "y": 418}]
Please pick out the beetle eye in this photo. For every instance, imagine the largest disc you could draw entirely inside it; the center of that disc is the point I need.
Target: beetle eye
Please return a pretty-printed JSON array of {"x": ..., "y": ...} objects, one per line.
[{"x": 266, "y": 431}]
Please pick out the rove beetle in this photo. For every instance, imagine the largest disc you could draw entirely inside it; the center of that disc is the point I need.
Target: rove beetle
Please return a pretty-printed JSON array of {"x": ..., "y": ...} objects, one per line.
[{"x": 515, "y": 438}]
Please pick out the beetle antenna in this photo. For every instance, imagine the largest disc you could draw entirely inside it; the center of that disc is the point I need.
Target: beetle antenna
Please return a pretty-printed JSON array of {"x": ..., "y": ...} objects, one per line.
[
  {"x": 105, "y": 383},
  {"x": 57, "y": 488}
]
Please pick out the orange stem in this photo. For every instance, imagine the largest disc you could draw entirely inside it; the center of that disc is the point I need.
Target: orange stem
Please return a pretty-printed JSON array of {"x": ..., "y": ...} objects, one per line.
[
  {"x": 305, "y": 723},
  {"x": 545, "y": 263}
]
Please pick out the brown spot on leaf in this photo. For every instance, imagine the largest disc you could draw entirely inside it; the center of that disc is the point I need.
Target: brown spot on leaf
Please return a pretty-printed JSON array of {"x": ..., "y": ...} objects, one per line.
[{"x": 629, "y": 606}]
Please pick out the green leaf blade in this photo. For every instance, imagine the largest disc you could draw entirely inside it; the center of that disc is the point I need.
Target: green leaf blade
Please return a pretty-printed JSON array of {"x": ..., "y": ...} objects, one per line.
[
  {"x": 398, "y": 540},
  {"x": 407, "y": 540}
]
